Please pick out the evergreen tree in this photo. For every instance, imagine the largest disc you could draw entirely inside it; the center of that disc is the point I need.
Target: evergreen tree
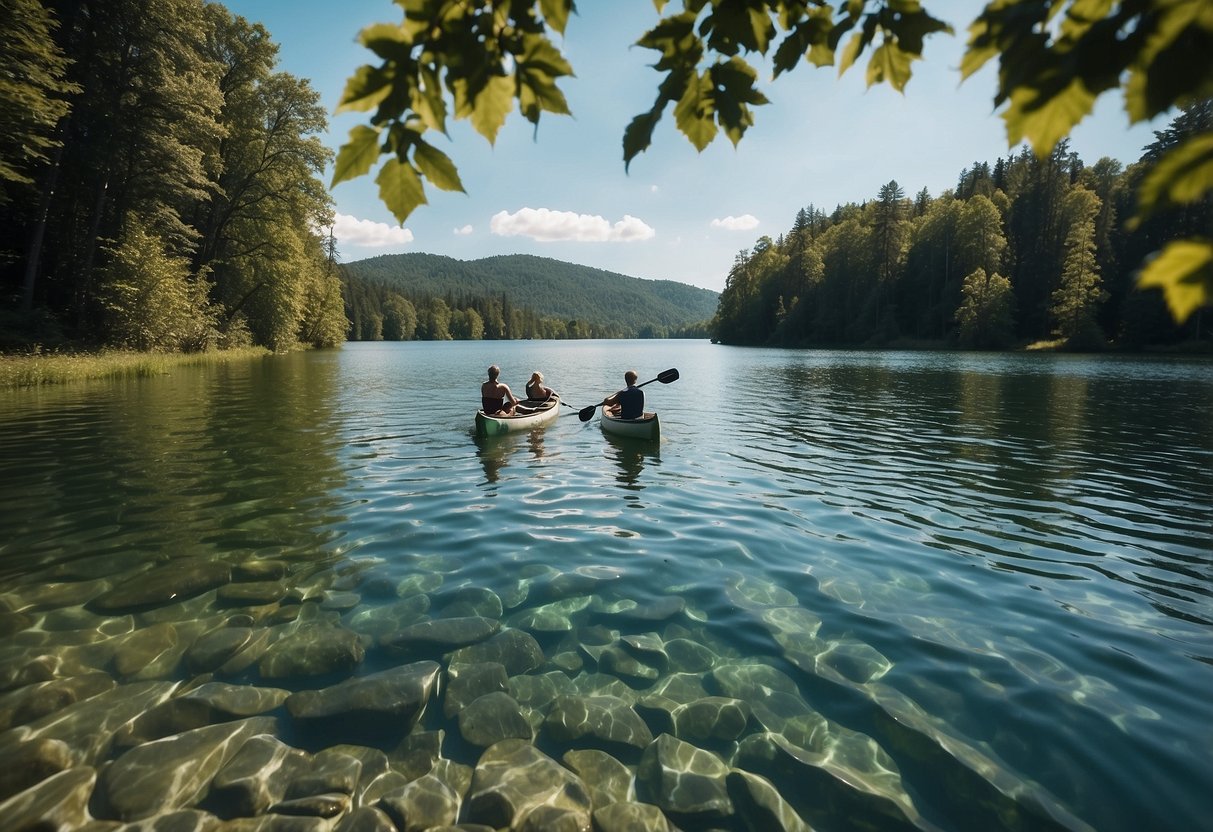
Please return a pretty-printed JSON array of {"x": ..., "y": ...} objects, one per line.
[
  {"x": 986, "y": 311},
  {"x": 1075, "y": 301}
]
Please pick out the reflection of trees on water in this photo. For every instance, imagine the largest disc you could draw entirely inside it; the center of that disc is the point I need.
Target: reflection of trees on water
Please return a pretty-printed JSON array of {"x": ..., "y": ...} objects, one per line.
[
  {"x": 494, "y": 452},
  {"x": 243, "y": 456}
]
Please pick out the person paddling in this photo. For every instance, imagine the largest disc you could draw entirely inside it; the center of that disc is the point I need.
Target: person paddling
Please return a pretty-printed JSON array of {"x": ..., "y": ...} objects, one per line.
[
  {"x": 496, "y": 398},
  {"x": 628, "y": 403}
]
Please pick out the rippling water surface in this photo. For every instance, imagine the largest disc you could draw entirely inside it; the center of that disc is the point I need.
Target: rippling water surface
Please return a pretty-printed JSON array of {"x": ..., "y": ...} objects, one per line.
[{"x": 988, "y": 574}]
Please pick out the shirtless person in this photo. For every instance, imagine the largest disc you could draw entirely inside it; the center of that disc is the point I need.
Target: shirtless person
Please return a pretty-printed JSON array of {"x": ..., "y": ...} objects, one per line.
[{"x": 494, "y": 396}]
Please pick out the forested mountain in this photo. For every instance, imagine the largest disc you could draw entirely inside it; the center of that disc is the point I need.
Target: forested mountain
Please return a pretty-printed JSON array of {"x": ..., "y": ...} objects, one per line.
[
  {"x": 584, "y": 301},
  {"x": 160, "y": 181},
  {"x": 1021, "y": 251}
]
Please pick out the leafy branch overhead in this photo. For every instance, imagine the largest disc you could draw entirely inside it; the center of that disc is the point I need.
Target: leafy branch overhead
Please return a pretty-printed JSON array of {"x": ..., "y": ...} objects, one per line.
[{"x": 474, "y": 59}]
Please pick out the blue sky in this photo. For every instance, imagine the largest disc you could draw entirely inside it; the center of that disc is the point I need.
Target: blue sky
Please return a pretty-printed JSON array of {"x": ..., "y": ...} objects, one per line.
[{"x": 562, "y": 192}]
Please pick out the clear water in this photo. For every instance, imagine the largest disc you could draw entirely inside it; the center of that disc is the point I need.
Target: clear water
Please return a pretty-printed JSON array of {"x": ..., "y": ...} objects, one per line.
[{"x": 1010, "y": 556}]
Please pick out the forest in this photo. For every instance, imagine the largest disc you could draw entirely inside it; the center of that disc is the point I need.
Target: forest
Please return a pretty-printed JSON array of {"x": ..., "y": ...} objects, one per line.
[
  {"x": 515, "y": 296},
  {"x": 1026, "y": 251},
  {"x": 160, "y": 182}
]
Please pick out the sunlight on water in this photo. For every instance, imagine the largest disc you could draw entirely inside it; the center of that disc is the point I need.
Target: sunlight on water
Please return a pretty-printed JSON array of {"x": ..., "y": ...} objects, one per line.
[{"x": 906, "y": 590}]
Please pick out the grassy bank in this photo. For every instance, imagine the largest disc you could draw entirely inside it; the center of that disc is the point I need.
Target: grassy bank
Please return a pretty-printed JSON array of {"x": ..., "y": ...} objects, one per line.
[{"x": 64, "y": 368}]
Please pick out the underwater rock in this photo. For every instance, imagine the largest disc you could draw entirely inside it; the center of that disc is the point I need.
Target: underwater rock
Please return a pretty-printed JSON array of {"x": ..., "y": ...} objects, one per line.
[
  {"x": 852, "y": 660},
  {"x": 366, "y": 819},
  {"x": 340, "y": 601},
  {"x": 556, "y": 617},
  {"x": 329, "y": 772},
  {"x": 567, "y": 661},
  {"x": 853, "y": 777},
  {"x": 422, "y": 804},
  {"x": 421, "y": 583},
  {"x": 536, "y": 692},
  {"x": 751, "y": 593},
  {"x": 515, "y": 649},
  {"x": 711, "y": 718},
  {"x": 648, "y": 648},
  {"x": 210, "y": 650},
  {"x": 52, "y": 596},
  {"x": 248, "y": 655},
  {"x": 418, "y": 753},
  {"x": 439, "y": 636},
  {"x": 760, "y": 805},
  {"x": 606, "y": 719},
  {"x": 163, "y": 585},
  {"x": 513, "y": 779},
  {"x": 492, "y": 718},
  {"x": 58, "y": 802},
  {"x": 608, "y": 780},
  {"x": 378, "y": 622},
  {"x": 315, "y": 806},
  {"x": 175, "y": 772},
  {"x": 30, "y": 763},
  {"x": 688, "y": 656},
  {"x": 257, "y": 775},
  {"x": 660, "y": 610},
  {"x": 206, "y": 704},
  {"x": 619, "y": 662},
  {"x": 251, "y": 593},
  {"x": 33, "y": 702},
  {"x": 312, "y": 650},
  {"x": 749, "y": 680},
  {"x": 389, "y": 700},
  {"x": 88, "y": 727},
  {"x": 631, "y": 817},
  {"x": 259, "y": 570},
  {"x": 603, "y": 684},
  {"x": 148, "y": 653},
  {"x": 183, "y": 820},
  {"x": 471, "y": 601},
  {"x": 467, "y": 682},
  {"x": 14, "y": 622},
  {"x": 684, "y": 780}
]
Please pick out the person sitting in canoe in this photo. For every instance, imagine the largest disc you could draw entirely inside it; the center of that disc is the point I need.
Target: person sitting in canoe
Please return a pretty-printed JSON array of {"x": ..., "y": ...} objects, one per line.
[
  {"x": 628, "y": 403},
  {"x": 535, "y": 389},
  {"x": 494, "y": 396}
]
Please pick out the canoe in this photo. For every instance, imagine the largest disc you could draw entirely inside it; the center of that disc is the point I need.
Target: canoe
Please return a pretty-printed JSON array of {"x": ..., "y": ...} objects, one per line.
[
  {"x": 646, "y": 427},
  {"x": 543, "y": 413}
]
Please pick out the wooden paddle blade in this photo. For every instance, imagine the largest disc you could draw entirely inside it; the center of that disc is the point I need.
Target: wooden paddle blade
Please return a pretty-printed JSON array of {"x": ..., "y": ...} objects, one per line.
[
  {"x": 587, "y": 413},
  {"x": 668, "y": 376}
]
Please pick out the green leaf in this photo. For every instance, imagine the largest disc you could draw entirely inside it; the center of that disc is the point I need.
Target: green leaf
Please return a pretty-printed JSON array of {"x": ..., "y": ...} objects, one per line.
[
  {"x": 492, "y": 105},
  {"x": 400, "y": 188},
  {"x": 639, "y": 135},
  {"x": 1046, "y": 122},
  {"x": 437, "y": 167},
  {"x": 1182, "y": 176},
  {"x": 732, "y": 90},
  {"x": 1184, "y": 272},
  {"x": 427, "y": 100},
  {"x": 889, "y": 63},
  {"x": 356, "y": 156},
  {"x": 850, "y": 52},
  {"x": 693, "y": 113},
  {"x": 556, "y": 13},
  {"x": 981, "y": 48},
  {"x": 365, "y": 89},
  {"x": 387, "y": 40}
]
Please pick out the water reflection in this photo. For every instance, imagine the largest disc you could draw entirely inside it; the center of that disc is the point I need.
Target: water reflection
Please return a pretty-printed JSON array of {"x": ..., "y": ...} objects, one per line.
[
  {"x": 631, "y": 455},
  {"x": 495, "y": 452}
]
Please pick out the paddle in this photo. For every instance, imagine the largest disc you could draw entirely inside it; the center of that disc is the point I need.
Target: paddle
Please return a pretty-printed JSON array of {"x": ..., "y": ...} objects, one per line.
[{"x": 587, "y": 413}]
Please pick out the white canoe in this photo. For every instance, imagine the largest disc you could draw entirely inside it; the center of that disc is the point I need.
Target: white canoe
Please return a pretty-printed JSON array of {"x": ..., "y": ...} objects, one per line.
[
  {"x": 528, "y": 415},
  {"x": 646, "y": 427}
]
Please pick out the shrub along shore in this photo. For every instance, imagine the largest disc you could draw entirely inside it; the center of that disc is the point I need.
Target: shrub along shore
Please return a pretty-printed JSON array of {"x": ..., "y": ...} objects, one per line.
[{"x": 37, "y": 369}]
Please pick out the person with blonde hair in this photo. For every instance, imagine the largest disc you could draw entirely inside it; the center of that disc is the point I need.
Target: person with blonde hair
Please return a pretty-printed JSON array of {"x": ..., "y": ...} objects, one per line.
[{"x": 536, "y": 391}]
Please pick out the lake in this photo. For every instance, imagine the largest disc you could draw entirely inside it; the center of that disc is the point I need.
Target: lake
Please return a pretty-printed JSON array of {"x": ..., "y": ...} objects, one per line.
[{"x": 885, "y": 590}]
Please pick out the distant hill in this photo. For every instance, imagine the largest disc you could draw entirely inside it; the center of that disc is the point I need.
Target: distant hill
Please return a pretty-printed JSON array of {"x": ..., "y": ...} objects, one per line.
[{"x": 549, "y": 287}]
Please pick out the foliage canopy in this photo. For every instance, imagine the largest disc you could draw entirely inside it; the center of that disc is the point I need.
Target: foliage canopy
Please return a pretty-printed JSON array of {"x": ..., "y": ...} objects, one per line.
[{"x": 474, "y": 59}]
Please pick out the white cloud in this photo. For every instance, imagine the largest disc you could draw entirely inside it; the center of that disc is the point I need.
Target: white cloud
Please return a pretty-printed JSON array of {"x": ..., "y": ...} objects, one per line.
[
  {"x": 463, "y": 231},
  {"x": 355, "y": 232},
  {"x": 730, "y": 223},
  {"x": 652, "y": 189},
  {"x": 547, "y": 226}
]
